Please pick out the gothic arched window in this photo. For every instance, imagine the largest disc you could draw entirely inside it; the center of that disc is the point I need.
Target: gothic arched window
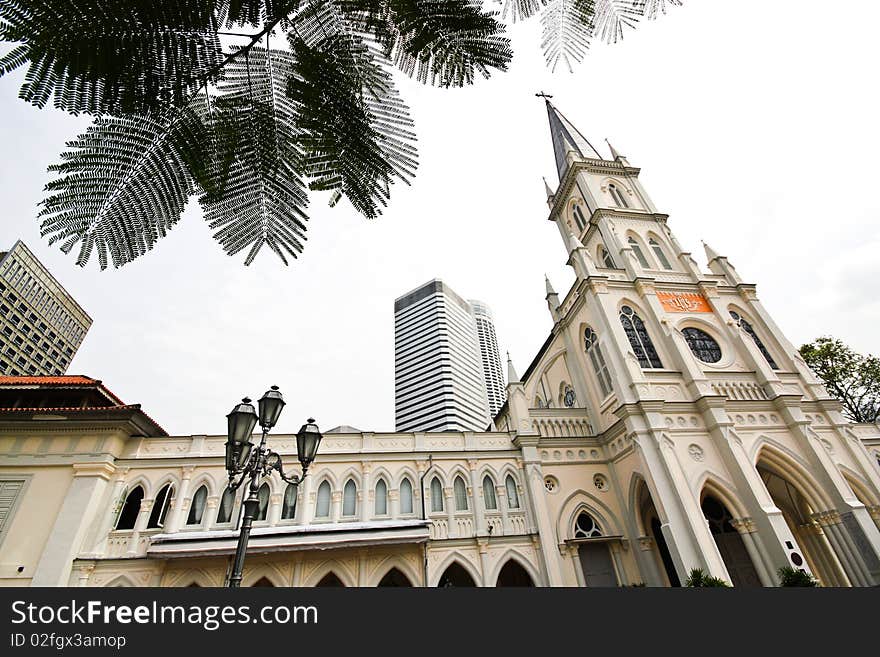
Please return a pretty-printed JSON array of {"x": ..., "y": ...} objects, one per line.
[
  {"x": 489, "y": 500},
  {"x": 349, "y": 498},
  {"x": 436, "y": 495},
  {"x": 745, "y": 326},
  {"x": 658, "y": 251},
  {"x": 597, "y": 358},
  {"x": 579, "y": 218},
  {"x": 617, "y": 196},
  {"x": 224, "y": 513},
  {"x": 406, "y": 496},
  {"x": 569, "y": 398},
  {"x": 129, "y": 513},
  {"x": 381, "y": 505},
  {"x": 459, "y": 490},
  {"x": 605, "y": 258},
  {"x": 263, "y": 498},
  {"x": 322, "y": 505},
  {"x": 512, "y": 497},
  {"x": 288, "y": 509},
  {"x": 160, "y": 507},
  {"x": 637, "y": 250},
  {"x": 197, "y": 506},
  {"x": 586, "y": 527},
  {"x": 703, "y": 345},
  {"x": 639, "y": 339}
]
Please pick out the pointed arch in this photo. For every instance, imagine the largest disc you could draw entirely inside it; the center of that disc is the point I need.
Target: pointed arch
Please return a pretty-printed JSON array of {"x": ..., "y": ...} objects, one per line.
[
  {"x": 513, "y": 555},
  {"x": 860, "y": 487},
  {"x": 395, "y": 562},
  {"x": 638, "y": 335},
  {"x": 120, "y": 580},
  {"x": 332, "y": 567},
  {"x": 130, "y": 508},
  {"x": 264, "y": 571},
  {"x": 192, "y": 577},
  {"x": 577, "y": 502},
  {"x": 711, "y": 483},
  {"x": 793, "y": 469},
  {"x": 462, "y": 561}
]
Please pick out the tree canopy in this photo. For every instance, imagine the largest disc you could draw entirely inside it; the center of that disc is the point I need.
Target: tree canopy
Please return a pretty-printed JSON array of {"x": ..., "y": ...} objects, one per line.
[
  {"x": 851, "y": 377},
  {"x": 251, "y": 104}
]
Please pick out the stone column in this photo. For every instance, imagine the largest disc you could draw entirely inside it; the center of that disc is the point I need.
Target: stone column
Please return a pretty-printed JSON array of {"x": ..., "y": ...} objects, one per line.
[
  {"x": 477, "y": 487},
  {"x": 212, "y": 507},
  {"x": 394, "y": 503},
  {"x": 615, "y": 547},
  {"x": 274, "y": 514},
  {"x": 180, "y": 503},
  {"x": 363, "y": 568},
  {"x": 572, "y": 551},
  {"x": 450, "y": 512},
  {"x": 746, "y": 528},
  {"x": 652, "y": 572},
  {"x": 366, "y": 510},
  {"x": 69, "y": 530},
  {"x": 336, "y": 505},
  {"x": 483, "y": 546},
  {"x": 139, "y": 526},
  {"x": 830, "y": 523},
  {"x": 831, "y": 571},
  {"x": 504, "y": 507},
  {"x": 306, "y": 512}
]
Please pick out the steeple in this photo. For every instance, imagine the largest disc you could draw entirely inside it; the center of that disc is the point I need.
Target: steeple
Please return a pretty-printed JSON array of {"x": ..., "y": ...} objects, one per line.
[
  {"x": 613, "y": 150},
  {"x": 567, "y": 138},
  {"x": 512, "y": 376},
  {"x": 548, "y": 285},
  {"x": 548, "y": 191}
]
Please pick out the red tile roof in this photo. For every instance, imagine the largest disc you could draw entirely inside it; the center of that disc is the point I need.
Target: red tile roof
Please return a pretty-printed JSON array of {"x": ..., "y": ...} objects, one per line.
[{"x": 59, "y": 381}]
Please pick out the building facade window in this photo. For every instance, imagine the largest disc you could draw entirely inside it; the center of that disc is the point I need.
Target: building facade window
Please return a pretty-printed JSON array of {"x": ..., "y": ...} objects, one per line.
[
  {"x": 322, "y": 504},
  {"x": 128, "y": 515},
  {"x": 605, "y": 258},
  {"x": 349, "y": 498},
  {"x": 747, "y": 327},
  {"x": 489, "y": 500},
  {"x": 579, "y": 218},
  {"x": 160, "y": 507},
  {"x": 381, "y": 502},
  {"x": 597, "y": 359},
  {"x": 406, "y": 496},
  {"x": 658, "y": 251},
  {"x": 569, "y": 399},
  {"x": 617, "y": 196},
  {"x": 197, "y": 506},
  {"x": 703, "y": 345},
  {"x": 288, "y": 507},
  {"x": 436, "y": 495},
  {"x": 263, "y": 498},
  {"x": 459, "y": 490},
  {"x": 512, "y": 495},
  {"x": 586, "y": 527},
  {"x": 637, "y": 251},
  {"x": 639, "y": 339},
  {"x": 224, "y": 512}
]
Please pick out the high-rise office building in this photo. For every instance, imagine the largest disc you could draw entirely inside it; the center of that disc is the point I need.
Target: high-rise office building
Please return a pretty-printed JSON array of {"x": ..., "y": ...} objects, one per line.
[
  {"x": 439, "y": 383},
  {"x": 489, "y": 355},
  {"x": 41, "y": 326}
]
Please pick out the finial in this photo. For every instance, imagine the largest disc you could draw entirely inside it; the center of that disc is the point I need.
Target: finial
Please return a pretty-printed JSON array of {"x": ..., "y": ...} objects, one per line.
[
  {"x": 710, "y": 252},
  {"x": 548, "y": 285},
  {"x": 512, "y": 376},
  {"x": 546, "y": 97},
  {"x": 547, "y": 188},
  {"x": 614, "y": 152}
]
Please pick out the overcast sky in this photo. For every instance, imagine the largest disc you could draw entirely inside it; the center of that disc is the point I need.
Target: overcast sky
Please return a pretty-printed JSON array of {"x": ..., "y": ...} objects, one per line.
[{"x": 755, "y": 124}]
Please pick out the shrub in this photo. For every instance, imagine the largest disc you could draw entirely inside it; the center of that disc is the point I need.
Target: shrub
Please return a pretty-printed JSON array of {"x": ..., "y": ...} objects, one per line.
[
  {"x": 789, "y": 576},
  {"x": 698, "y": 578}
]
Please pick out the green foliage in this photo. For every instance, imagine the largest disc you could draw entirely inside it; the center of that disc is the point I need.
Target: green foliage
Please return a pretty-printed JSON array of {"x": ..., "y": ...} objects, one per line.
[
  {"x": 851, "y": 377},
  {"x": 789, "y": 576},
  {"x": 184, "y": 108},
  {"x": 697, "y": 578}
]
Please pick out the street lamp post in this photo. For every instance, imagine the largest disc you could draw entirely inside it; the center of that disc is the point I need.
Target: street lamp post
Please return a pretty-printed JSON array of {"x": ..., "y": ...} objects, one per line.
[{"x": 243, "y": 462}]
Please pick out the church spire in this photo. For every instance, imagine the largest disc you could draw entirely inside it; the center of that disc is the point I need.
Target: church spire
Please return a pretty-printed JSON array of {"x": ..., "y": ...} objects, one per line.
[
  {"x": 512, "y": 376},
  {"x": 567, "y": 138}
]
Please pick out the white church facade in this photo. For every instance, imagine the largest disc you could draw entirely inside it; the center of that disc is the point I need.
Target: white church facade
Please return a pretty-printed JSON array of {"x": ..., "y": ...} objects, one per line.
[{"x": 666, "y": 424}]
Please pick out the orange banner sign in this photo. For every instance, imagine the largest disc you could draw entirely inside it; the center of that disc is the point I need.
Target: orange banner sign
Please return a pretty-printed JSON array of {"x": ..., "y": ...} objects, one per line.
[{"x": 684, "y": 302}]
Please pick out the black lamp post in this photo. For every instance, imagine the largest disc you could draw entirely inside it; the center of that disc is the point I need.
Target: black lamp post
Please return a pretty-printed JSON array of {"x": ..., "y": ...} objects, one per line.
[{"x": 243, "y": 461}]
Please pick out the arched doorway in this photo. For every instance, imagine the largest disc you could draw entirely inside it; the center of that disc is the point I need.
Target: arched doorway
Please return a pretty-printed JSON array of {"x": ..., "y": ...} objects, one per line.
[
  {"x": 730, "y": 543},
  {"x": 394, "y": 578},
  {"x": 263, "y": 581},
  {"x": 513, "y": 574},
  {"x": 330, "y": 579},
  {"x": 797, "y": 512},
  {"x": 455, "y": 575},
  {"x": 597, "y": 564}
]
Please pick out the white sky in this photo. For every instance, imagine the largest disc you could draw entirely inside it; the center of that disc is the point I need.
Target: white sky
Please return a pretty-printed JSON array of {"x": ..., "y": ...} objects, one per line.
[{"x": 754, "y": 123}]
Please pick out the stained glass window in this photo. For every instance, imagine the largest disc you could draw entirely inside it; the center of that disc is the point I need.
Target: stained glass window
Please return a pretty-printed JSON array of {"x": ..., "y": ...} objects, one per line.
[
  {"x": 619, "y": 200},
  {"x": 586, "y": 527},
  {"x": 639, "y": 339},
  {"x": 703, "y": 345},
  {"x": 597, "y": 358}
]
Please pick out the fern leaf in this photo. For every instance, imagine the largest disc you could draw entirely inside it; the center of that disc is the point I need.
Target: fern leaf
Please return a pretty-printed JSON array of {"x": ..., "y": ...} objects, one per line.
[
  {"x": 651, "y": 9},
  {"x": 567, "y": 31},
  {"x": 441, "y": 42},
  {"x": 356, "y": 131},
  {"x": 612, "y": 17},
  {"x": 256, "y": 196},
  {"x": 106, "y": 56},
  {"x": 122, "y": 187},
  {"x": 518, "y": 10}
]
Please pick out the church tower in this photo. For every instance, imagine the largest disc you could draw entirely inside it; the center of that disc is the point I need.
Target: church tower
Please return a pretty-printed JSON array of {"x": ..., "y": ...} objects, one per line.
[{"x": 681, "y": 402}]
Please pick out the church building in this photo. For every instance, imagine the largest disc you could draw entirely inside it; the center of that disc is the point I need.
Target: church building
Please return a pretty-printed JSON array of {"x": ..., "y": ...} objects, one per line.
[{"x": 666, "y": 424}]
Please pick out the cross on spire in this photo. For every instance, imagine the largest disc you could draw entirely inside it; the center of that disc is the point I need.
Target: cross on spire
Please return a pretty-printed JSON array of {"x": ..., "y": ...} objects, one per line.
[{"x": 544, "y": 96}]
